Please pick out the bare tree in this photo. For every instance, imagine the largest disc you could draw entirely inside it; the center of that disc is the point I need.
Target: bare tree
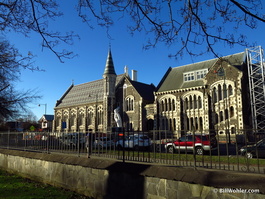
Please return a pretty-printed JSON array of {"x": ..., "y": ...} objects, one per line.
[
  {"x": 193, "y": 26},
  {"x": 28, "y": 16},
  {"x": 11, "y": 63}
]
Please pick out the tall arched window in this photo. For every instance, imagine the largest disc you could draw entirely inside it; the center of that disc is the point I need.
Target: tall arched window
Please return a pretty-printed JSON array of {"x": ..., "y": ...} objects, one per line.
[
  {"x": 186, "y": 103},
  {"x": 214, "y": 95},
  {"x": 129, "y": 104},
  {"x": 230, "y": 90},
  {"x": 232, "y": 113},
  {"x": 196, "y": 124},
  {"x": 100, "y": 115},
  {"x": 200, "y": 124},
  {"x": 90, "y": 114},
  {"x": 226, "y": 114},
  {"x": 169, "y": 104},
  {"x": 173, "y": 105},
  {"x": 190, "y": 102},
  {"x": 221, "y": 116},
  {"x": 188, "y": 124},
  {"x": 166, "y": 105},
  {"x": 162, "y": 106},
  {"x": 199, "y": 102},
  {"x": 195, "y": 102},
  {"x": 224, "y": 91},
  {"x": 220, "y": 97},
  {"x": 216, "y": 118}
]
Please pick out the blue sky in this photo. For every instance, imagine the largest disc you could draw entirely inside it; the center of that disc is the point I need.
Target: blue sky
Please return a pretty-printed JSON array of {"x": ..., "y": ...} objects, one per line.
[{"x": 92, "y": 50}]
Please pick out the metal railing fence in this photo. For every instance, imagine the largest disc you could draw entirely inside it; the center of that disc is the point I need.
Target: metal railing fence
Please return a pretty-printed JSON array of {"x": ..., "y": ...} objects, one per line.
[{"x": 242, "y": 151}]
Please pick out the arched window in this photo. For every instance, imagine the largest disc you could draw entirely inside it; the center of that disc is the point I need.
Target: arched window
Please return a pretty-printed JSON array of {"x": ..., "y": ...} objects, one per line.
[
  {"x": 200, "y": 124},
  {"x": 221, "y": 116},
  {"x": 220, "y": 92},
  {"x": 196, "y": 123},
  {"x": 230, "y": 90},
  {"x": 90, "y": 115},
  {"x": 214, "y": 95},
  {"x": 100, "y": 115},
  {"x": 216, "y": 118},
  {"x": 166, "y": 105},
  {"x": 186, "y": 103},
  {"x": 190, "y": 98},
  {"x": 188, "y": 124},
  {"x": 224, "y": 91},
  {"x": 129, "y": 104},
  {"x": 72, "y": 118},
  {"x": 80, "y": 118},
  {"x": 169, "y": 104},
  {"x": 195, "y": 102},
  {"x": 232, "y": 112},
  {"x": 199, "y": 102},
  {"x": 162, "y": 105},
  {"x": 173, "y": 105},
  {"x": 226, "y": 114}
]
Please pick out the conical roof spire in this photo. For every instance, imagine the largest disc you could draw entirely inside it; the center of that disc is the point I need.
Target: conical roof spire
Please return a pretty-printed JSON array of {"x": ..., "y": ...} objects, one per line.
[{"x": 109, "y": 68}]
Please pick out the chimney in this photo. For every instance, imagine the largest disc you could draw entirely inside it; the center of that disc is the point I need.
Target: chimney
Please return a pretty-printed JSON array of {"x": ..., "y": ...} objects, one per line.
[
  {"x": 134, "y": 75},
  {"x": 126, "y": 70}
]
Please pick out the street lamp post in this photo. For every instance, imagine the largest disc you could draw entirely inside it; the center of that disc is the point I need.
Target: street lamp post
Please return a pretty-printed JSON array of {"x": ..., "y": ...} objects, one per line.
[{"x": 45, "y": 107}]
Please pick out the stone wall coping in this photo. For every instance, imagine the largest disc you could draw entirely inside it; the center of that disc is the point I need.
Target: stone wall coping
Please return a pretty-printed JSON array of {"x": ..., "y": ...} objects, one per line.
[{"x": 207, "y": 177}]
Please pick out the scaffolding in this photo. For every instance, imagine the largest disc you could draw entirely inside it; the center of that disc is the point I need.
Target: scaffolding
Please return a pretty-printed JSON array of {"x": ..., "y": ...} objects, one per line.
[{"x": 256, "y": 66}]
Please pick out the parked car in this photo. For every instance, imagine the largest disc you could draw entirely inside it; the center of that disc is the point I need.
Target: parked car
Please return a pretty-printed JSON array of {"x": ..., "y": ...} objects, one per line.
[
  {"x": 71, "y": 139},
  {"x": 193, "y": 143},
  {"x": 254, "y": 150},
  {"x": 103, "y": 143},
  {"x": 136, "y": 142}
]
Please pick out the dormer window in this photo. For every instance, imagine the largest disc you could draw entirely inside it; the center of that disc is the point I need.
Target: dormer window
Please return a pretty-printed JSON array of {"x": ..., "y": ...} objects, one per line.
[
  {"x": 194, "y": 75},
  {"x": 188, "y": 76},
  {"x": 201, "y": 74}
]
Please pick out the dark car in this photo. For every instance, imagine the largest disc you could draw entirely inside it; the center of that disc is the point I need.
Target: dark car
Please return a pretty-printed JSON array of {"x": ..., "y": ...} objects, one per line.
[{"x": 254, "y": 150}]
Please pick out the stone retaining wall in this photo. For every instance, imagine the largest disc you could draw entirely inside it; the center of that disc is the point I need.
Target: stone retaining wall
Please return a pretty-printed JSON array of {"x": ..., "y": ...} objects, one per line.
[{"x": 106, "y": 179}]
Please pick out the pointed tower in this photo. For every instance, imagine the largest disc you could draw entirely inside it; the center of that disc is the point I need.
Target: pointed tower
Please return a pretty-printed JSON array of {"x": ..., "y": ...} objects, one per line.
[{"x": 109, "y": 77}]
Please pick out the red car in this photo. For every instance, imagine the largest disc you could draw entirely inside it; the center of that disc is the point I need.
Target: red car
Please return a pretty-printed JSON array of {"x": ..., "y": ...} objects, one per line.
[{"x": 193, "y": 143}]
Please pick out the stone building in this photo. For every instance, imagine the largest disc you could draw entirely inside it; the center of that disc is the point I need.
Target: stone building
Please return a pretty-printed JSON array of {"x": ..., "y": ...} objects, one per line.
[
  {"x": 209, "y": 96},
  {"x": 204, "y": 97},
  {"x": 90, "y": 106}
]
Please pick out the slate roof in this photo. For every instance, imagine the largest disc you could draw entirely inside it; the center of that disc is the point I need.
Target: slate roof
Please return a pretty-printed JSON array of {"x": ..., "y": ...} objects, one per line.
[
  {"x": 173, "y": 79},
  {"x": 109, "y": 68},
  {"x": 145, "y": 90},
  {"x": 47, "y": 117},
  {"x": 90, "y": 92}
]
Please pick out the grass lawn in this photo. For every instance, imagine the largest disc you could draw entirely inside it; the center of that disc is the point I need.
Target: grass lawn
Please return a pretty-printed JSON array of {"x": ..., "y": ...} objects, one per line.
[{"x": 13, "y": 186}]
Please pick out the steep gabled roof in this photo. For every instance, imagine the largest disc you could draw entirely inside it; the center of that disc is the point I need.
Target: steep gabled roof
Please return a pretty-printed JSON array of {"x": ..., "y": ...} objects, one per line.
[
  {"x": 173, "y": 80},
  {"x": 84, "y": 93},
  {"x": 146, "y": 91},
  {"x": 46, "y": 117}
]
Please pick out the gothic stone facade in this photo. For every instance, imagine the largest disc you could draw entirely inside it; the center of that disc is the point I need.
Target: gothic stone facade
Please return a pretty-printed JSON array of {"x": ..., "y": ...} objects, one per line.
[
  {"x": 204, "y": 97},
  {"x": 207, "y": 96},
  {"x": 90, "y": 106}
]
